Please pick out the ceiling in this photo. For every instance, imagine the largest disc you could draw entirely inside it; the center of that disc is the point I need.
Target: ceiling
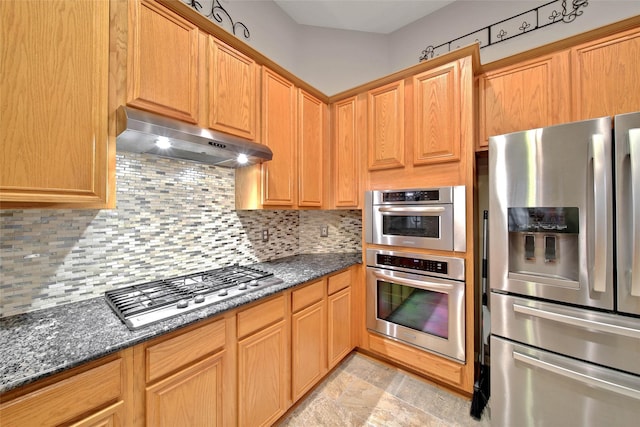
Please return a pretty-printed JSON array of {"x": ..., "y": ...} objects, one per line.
[{"x": 374, "y": 16}]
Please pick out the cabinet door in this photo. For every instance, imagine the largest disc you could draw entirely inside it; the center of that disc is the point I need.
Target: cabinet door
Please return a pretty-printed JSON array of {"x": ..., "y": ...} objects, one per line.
[
  {"x": 54, "y": 76},
  {"x": 436, "y": 115},
  {"x": 308, "y": 348},
  {"x": 232, "y": 91},
  {"x": 278, "y": 133},
  {"x": 605, "y": 76},
  {"x": 311, "y": 140},
  {"x": 386, "y": 126},
  {"x": 191, "y": 397},
  {"x": 163, "y": 62},
  {"x": 524, "y": 96},
  {"x": 262, "y": 376},
  {"x": 339, "y": 331},
  {"x": 112, "y": 416},
  {"x": 346, "y": 157}
]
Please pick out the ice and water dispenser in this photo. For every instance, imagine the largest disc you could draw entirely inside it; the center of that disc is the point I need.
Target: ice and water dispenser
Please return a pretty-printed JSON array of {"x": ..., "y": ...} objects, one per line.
[{"x": 543, "y": 242}]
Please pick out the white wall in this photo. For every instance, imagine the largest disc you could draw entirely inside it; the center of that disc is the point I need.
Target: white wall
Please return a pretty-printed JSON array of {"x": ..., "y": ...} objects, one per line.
[{"x": 337, "y": 60}]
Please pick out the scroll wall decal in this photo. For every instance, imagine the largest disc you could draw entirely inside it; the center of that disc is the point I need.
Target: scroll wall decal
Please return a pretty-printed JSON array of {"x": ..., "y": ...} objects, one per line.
[
  {"x": 218, "y": 13},
  {"x": 525, "y": 22}
]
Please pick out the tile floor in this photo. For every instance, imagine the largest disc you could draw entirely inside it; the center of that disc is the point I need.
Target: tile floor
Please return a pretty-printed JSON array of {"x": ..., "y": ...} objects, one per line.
[{"x": 366, "y": 392}]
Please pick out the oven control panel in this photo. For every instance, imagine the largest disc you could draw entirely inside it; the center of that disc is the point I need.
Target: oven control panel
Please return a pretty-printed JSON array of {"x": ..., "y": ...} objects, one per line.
[
  {"x": 411, "y": 196},
  {"x": 410, "y": 262},
  {"x": 426, "y": 265}
]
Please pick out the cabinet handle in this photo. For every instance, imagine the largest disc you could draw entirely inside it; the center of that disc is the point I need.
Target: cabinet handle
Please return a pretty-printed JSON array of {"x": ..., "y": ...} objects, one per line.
[
  {"x": 577, "y": 376},
  {"x": 577, "y": 321}
]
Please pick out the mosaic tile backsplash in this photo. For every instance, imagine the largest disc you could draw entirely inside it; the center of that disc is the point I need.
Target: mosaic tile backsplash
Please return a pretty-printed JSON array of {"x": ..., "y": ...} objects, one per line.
[{"x": 172, "y": 218}]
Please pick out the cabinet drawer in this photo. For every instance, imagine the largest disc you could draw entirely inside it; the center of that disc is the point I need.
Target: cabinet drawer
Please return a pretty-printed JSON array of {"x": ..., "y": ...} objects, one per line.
[
  {"x": 339, "y": 281},
  {"x": 66, "y": 399},
  {"x": 308, "y": 295},
  {"x": 434, "y": 366},
  {"x": 261, "y": 315},
  {"x": 174, "y": 353}
]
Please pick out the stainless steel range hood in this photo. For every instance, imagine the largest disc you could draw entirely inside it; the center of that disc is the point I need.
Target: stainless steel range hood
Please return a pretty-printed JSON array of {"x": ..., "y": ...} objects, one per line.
[{"x": 140, "y": 131}]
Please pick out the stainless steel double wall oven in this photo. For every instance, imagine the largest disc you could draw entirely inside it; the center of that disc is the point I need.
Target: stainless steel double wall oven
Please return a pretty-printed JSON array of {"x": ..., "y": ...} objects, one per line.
[{"x": 413, "y": 296}]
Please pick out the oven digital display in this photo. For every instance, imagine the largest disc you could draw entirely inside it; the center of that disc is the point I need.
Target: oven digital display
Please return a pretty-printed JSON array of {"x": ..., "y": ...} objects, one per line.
[
  {"x": 411, "y": 196},
  {"x": 411, "y": 226},
  {"x": 415, "y": 308}
]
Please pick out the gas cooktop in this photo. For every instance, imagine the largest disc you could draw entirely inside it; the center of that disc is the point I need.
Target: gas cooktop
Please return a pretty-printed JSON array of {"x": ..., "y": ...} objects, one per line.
[{"x": 147, "y": 303}]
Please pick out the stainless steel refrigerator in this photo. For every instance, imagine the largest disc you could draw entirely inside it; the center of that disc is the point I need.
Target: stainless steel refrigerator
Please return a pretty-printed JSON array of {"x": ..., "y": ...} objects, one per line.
[{"x": 564, "y": 272}]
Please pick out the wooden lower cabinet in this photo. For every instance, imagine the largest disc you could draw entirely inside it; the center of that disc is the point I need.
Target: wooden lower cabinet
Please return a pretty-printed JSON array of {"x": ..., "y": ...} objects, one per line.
[
  {"x": 112, "y": 416},
  {"x": 92, "y": 395},
  {"x": 339, "y": 317},
  {"x": 308, "y": 338},
  {"x": 191, "y": 397},
  {"x": 448, "y": 372},
  {"x": 187, "y": 377},
  {"x": 263, "y": 376}
]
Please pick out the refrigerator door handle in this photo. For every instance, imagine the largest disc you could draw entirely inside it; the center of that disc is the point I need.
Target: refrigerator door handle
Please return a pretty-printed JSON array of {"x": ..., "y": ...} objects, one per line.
[
  {"x": 607, "y": 328},
  {"x": 600, "y": 220},
  {"x": 634, "y": 154},
  {"x": 577, "y": 376}
]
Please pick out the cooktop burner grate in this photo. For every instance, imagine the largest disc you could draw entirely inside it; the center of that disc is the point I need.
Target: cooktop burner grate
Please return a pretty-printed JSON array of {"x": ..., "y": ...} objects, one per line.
[{"x": 146, "y": 303}]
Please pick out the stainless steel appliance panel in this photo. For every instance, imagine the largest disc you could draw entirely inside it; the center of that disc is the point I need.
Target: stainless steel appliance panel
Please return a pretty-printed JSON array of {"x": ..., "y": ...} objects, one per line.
[
  {"x": 627, "y": 149},
  {"x": 601, "y": 338},
  {"x": 427, "y": 218},
  {"x": 422, "y": 310},
  {"x": 537, "y": 388},
  {"x": 561, "y": 176}
]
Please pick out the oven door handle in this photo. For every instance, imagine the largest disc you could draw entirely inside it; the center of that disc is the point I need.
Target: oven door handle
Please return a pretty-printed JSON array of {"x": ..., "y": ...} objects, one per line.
[
  {"x": 423, "y": 284},
  {"x": 412, "y": 210}
]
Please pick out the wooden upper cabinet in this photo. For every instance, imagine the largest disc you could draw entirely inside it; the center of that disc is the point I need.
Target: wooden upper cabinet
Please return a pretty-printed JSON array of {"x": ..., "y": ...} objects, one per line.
[
  {"x": 54, "y": 110},
  {"x": 278, "y": 133},
  {"x": 346, "y": 158},
  {"x": 311, "y": 142},
  {"x": 163, "y": 62},
  {"x": 523, "y": 96},
  {"x": 233, "y": 102},
  {"x": 436, "y": 115},
  {"x": 605, "y": 76},
  {"x": 386, "y": 126}
]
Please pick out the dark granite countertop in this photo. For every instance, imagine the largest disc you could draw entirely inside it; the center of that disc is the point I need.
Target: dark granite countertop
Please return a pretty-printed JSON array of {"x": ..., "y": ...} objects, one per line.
[{"x": 41, "y": 343}]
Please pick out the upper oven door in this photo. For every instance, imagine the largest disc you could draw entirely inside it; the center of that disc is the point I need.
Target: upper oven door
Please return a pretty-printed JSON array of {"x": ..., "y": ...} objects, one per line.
[
  {"x": 423, "y": 311},
  {"x": 415, "y": 226}
]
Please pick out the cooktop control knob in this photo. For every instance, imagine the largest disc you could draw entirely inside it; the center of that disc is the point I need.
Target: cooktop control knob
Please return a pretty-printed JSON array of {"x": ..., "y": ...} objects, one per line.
[
  {"x": 254, "y": 282},
  {"x": 183, "y": 303},
  {"x": 223, "y": 293},
  {"x": 242, "y": 286},
  {"x": 199, "y": 299}
]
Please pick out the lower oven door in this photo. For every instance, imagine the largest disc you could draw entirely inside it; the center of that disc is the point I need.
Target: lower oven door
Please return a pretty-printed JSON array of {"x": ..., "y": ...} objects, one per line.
[
  {"x": 532, "y": 387},
  {"x": 423, "y": 311}
]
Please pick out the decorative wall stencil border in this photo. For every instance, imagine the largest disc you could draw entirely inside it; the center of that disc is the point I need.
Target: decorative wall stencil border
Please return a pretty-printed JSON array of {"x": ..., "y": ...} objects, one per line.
[
  {"x": 515, "y": 26},
  {"x": 218, "y": 13}
]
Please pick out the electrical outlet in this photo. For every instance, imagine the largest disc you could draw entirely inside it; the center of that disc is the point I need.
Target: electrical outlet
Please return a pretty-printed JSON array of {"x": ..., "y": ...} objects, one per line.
[
  {"x": 324, "y": 230},
  {"x": 265, "y": 235}
]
